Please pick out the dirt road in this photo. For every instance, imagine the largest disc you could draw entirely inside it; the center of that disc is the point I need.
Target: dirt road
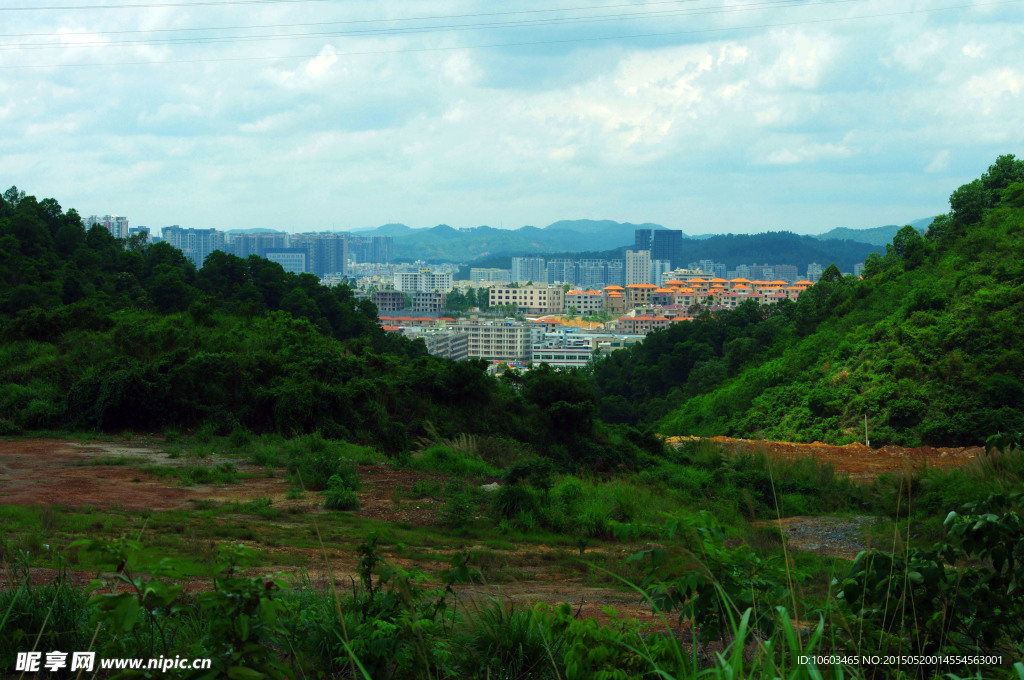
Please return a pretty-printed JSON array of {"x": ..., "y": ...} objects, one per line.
[{"x": 858, "y": 461}]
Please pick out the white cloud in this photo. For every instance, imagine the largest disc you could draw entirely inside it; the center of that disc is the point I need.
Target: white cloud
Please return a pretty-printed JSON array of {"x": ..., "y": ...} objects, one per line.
[
  {"x": 939, "y": 163},
  {"x": 870, "y": 113},
  {"x": 988, "y": 90}
]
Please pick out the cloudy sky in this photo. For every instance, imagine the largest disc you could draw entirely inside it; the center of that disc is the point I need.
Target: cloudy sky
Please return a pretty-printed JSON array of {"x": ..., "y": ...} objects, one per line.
[{"x": 702, "y": 115}]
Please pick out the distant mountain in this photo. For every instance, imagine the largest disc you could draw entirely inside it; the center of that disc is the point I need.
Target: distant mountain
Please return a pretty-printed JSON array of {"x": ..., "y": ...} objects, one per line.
[
  {"x": 774, "y": 247},
  {"x": 878, "y": 236},
  {"x": 607, "y": 239},
  {"x": 777, "y": 247},
  {"x": 444, "y": 242}
]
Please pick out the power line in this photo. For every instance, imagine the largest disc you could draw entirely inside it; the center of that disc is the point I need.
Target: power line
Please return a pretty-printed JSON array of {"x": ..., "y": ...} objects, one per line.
[
  {"x": 530, "y": 43},
  {"x": 358, "y": 21},
  {"x": 201, "y": 3},
  {"x": 522, "y": 23}
]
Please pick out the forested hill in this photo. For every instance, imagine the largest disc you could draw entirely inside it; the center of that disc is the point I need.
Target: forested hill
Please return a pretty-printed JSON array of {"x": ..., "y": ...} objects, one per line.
[
  {"x": 106, "y": 334},
  {"x": 929, "y": 346},
  {"x": 775, "y": 247}
]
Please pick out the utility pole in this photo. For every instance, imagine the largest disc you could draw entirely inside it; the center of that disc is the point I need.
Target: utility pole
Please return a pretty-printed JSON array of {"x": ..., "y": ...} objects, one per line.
[{"x": 867, "y": 442}]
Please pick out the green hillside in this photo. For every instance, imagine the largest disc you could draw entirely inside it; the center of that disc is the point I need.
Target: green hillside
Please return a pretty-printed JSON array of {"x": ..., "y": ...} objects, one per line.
[
  {"x": 112, "y": 335},
  {"x": 878, "y": 236},
  {"x": 929, "y": 346}
]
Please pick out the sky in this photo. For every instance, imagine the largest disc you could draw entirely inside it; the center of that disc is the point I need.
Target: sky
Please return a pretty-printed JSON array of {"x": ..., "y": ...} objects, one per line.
[{"x": 702, "y": 115}]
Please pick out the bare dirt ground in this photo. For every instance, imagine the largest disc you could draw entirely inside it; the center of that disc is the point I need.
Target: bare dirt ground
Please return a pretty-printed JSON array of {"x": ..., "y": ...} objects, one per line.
[
  {"x": 48, "y": 472},
  {"x": 858, "y": 461},
  {"x": 831, "y": 536}
]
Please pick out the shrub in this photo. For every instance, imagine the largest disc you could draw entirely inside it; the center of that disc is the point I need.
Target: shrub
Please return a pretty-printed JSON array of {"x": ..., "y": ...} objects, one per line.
[
  {"x": 225, "y": 473},
  {"x": 8, "y": 428},
  {"x": 341, "y": 498},
  {"x": 442, "y": 459},
  {"x": 313, "y": 468},
  {"x": 511, "y": 501},
  {"x": 458, "y": 510}
]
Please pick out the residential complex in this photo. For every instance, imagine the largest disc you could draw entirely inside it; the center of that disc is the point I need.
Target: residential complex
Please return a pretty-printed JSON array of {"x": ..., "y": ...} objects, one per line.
[
  {"x": 115, "y": 224},
  {"x": 196, "y": 244},
  {"x": 526, "y": 269},
  {"x": 423, "y": 281},
  {"x": 530, "y": 299}
]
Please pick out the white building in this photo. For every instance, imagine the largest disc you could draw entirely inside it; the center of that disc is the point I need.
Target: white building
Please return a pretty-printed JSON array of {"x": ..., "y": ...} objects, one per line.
[
  {"x": 423, "y": 281},
  {"x": 115, "y": 224},
  {"x": 499, "y": 340},
  {"x": 638, "y": 266}
]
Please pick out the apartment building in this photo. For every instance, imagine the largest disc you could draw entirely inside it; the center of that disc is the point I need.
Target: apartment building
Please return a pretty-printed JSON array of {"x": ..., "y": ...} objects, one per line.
[
  {"x": 479, "y": 275},
  {"x": 563, "y": 350},
  {"x": 499, "y": 341},
  {"x": 638, "y": 266},
  {"x": 585, "y": 302},
  {"x": 423, "y": 281},
  {"x": 115, "y": 224},
  {"x": 528, "y": 269},
  {"x": 196, "y": 244},
  {"x": 529, "y": 299}
]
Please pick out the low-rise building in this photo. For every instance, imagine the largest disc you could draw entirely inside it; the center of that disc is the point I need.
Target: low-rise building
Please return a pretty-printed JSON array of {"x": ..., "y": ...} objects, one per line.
[
  {"x": 389, "y": 300},
  {"x": 498, "y": 340},
  {"x": 643, "y": 323},
  {"x": 563, "y": 350},
  {"x": 584, "y": 302},
  {"x": 432, "y": 302},
  {"x": 529, "y": 299}
]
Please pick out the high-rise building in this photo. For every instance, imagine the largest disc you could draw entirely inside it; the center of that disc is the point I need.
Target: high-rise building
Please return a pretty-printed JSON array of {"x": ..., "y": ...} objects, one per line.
[
  {"x": 667, "y": 244},
  {"x": 143, "y": 231},
  {"x": 563, "y": 271},
  {"x": 638, "y": 266},
  {"x": 596, "y": 274},
  {"x": 326, "y": 252},
  {"x": 196, "y": 244},
  {"x": 371, "y": 248},
  {"x": 658, "y": 269},
  {"x": 481, "y": 274},
  {"x": 115, "y": 224},
  {"x": 294, "y": 260},
  {"x": 787, "y": 272},
  {"x": 528, "y": 269},
  {"x": 256, "y": 243},
  {"x": 643, "y": 239},
  {"x": 814, "y": 271}
]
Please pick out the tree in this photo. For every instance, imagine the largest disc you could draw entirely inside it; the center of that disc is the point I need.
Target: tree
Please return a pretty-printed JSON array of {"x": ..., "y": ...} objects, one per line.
[
  {"x": 1005, "y": 171},
  {"x": 967, "y": 204},
  {"x": 831, "y": 274},
  {"x": 872, "y": 265},
  {"x": 13, "y": 196},
  {"x": 908, "y": 245}
]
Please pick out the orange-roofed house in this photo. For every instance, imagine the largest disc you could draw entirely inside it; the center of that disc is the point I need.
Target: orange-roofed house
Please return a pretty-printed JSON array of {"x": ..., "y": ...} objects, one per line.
[
  {"x": 641, "y": 324},
  {"x": 584, "y": 302},
  {"x": 663, "y": 296},
  {"x": 614, "y": 302},
  {"x": 638, "y": 294}
]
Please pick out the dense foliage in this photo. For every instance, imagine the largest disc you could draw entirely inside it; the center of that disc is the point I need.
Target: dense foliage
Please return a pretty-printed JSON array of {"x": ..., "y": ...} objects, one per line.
[
  {"x": 109, "y": 334},
  {"x": 928, "y": 346}
]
